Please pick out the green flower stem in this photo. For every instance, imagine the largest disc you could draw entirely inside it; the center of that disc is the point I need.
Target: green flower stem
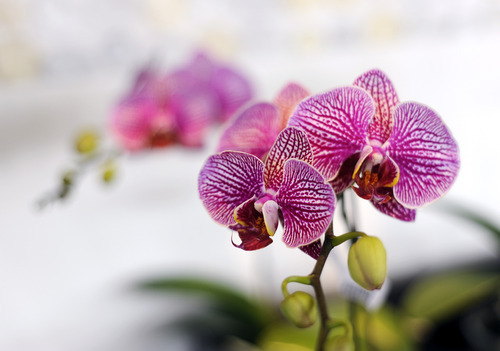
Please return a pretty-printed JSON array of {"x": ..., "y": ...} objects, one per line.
[
  {"x": 294, "y": 279},
  {"x": 347, "y": 236},
  {"x": 318, "y": 289},
  {"x": 353, "y": 308},
  {"x": 335, "y": 323},
  {"x": 329, "y": 243}
]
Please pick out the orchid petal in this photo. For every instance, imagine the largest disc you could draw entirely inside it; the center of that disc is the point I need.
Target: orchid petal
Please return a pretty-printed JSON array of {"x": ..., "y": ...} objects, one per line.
[
  {"x": 291, "y": 143},
  {"x": 287, "y": 99},
  {"x": 396, "y": 210},
  {"x": 307, "y": 203},
  {"x": 130, "y": 121},
  {"x": 271, "y": 219},
  {"x": 336, "y": 124},
  {"x": 233, "y": 90},
  {"x": 425, "y": 152},
  {"x": 253, "y": 131},
  {"x": 227, "y": 180},
  {"x": 194, "y": 115},
  {"x": 344, "y": 179},
  {"x": 313, "y": 249},
  {"x": 378, "y": 85}
]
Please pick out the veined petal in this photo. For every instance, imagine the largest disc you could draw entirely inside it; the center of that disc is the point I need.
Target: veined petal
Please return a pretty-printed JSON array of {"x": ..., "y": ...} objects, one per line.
[
  {"x": 394, "y": 209},
  {"x": 313, "y": 249},
  {"x": 271, "y": 218},
  {"x": 307, "y": 203},
  {"x": 287, "y": 99},
  {"x": 379, "y": 86},
  {"x": 425, "y": 152},
  {"x": 336, "y": 124},
  {"x": 227, "y": 180},
  {"x": 253, "y": 131},
  {"x": 291, "y": 143}
]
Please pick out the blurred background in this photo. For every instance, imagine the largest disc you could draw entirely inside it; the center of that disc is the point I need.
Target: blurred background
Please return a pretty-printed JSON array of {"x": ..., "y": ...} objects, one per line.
[{"x": 68, "y": 272}]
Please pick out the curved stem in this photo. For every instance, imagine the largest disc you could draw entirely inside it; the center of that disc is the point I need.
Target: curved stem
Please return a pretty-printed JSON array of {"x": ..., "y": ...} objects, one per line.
[{"x": 294, "y": 279}]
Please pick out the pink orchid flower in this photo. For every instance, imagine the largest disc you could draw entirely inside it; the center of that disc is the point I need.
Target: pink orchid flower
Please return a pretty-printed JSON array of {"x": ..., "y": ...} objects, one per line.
[
  {"x": 400, "y": 156},
  {"x": 255, "y": 129},
  {"x": 178, "y": 108},
  {"x": 252, "y": 197}
]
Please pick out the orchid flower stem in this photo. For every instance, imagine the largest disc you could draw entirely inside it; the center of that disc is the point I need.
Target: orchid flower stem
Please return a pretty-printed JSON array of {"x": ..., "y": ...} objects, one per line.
[
  {"x": 318, "y": 289},
  {"x": 335, "y": 323},
  {"x": 353, "y": 306},
  {"x": 347, "y": 236},
  {"x": 294, "y": 279}
]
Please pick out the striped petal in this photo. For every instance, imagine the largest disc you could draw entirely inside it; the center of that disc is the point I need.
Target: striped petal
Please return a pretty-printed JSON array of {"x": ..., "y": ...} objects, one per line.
[
  {"x": 291, "y": 143},
  {"x": 287, "y": 99},
  {"x": 425, "y": 152},
  {"x": 307, "y": 204},
  {"x": 226, "y": 181},
  {"x": 396, "y": 210},
  {"x": 336, "y": 124},
  {"x": 378, "y": 85},
  {"x": 253, "y": 131},
  {"x": 313, "y": 249}
]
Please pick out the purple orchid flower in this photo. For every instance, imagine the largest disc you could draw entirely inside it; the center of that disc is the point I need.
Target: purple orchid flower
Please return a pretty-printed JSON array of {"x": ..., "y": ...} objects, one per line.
[
  {"x": 400, "y": 156},
  {"x": 256, "y": 128},
  {"x": 140, "y": 121},
  {"x": 229, "y": 88},
  {"x": 180, "y": 107},
  {"x": 252, "y": 197}
]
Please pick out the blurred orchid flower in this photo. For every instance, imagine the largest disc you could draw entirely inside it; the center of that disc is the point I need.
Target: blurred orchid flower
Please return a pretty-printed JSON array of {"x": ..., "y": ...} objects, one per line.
[
  {"x": 255, "y": 129},
  {"x": 252, "y": 197},
  {"x": 400, "y": 156},
  {"x": 179, "y": 107}
]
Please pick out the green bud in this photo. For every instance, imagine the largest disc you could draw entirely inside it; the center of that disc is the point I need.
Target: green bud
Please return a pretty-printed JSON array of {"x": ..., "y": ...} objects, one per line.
[
  {"x": 367, "y": 262},
  {"x": 86, "y": 142},
  {"x": 300, "y": 309},
  {"x": 109, "y": 171},
  {"x": 68, "y": 178}
]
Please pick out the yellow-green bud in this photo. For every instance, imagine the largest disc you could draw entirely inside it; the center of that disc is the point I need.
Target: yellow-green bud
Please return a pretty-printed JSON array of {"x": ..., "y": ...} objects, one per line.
[
  {"x": 109, "y": 171},
  {"x": 68, "y": 178},
  {"x": 367, "y": 262},
  {"x": 86, "y": 141},
  {"x": 300, "y": 309}
]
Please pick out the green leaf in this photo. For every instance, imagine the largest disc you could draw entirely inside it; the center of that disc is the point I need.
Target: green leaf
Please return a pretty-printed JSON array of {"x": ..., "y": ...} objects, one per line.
[
  {"x": 223, "y": 299},
  {"x": 470, "y": 215},
  {"x": 443, "y": 295}
]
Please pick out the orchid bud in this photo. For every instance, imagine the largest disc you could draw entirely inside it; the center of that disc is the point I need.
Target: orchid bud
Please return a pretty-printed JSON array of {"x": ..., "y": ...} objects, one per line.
[
  {"x": 86, "y": 142},
  {"x": 108, "y": 171},
  {"x": 367, "y": 262},
  {"x": 300, "y": 309}
]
